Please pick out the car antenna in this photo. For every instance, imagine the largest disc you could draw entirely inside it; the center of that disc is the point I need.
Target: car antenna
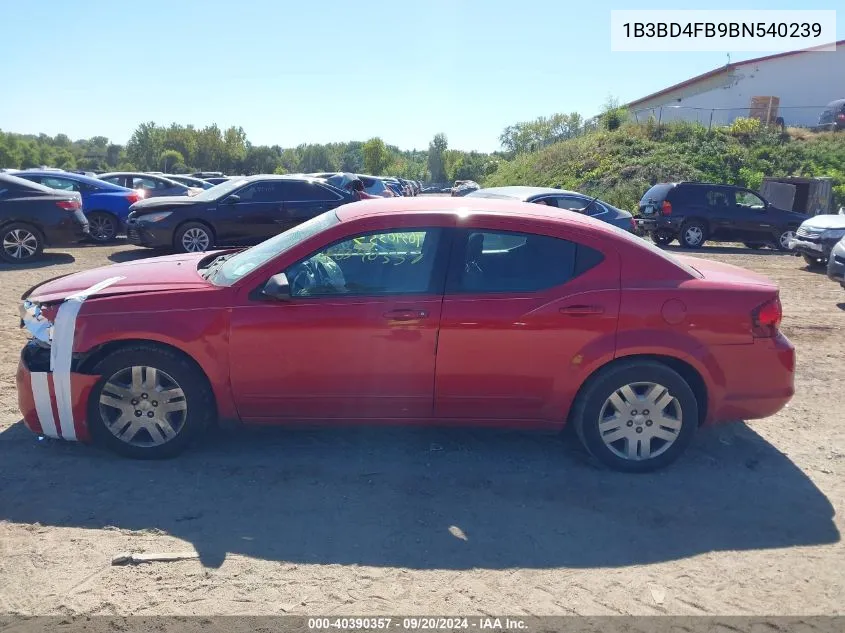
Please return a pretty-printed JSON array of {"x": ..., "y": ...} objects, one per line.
[{"x": 589, "y": 204}]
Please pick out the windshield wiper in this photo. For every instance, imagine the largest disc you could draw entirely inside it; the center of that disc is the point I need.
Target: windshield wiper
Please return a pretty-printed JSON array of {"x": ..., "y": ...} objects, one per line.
[{"x": 214, "y": 265}]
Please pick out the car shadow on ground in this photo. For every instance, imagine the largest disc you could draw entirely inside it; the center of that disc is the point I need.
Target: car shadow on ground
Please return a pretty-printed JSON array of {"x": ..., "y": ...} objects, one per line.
[
  {"x": 46, "y": 259},
  {"x": 134, "y": 254},
  {"x": 423, "y": 498},
  {"x": 726, "y": 250}
]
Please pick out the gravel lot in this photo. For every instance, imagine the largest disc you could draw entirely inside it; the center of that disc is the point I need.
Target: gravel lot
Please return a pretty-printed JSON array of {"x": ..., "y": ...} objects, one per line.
[{"x": 396, "y": 521}]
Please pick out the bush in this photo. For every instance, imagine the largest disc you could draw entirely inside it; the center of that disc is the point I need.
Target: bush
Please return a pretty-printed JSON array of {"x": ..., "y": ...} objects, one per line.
[{"x": 743, "y": 126}]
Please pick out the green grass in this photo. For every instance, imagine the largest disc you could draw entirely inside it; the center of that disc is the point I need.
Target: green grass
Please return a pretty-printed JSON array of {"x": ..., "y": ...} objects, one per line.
[{"x": 620, "y": 165}]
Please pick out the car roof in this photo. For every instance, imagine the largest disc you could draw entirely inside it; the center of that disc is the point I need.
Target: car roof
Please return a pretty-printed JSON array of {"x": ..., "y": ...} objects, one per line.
[
  {"x": 10, "y": 179},
  {"x": 469, "y": 206},
  {"x": 96, "y": 182},
  {"x": 521, "y": 192}
]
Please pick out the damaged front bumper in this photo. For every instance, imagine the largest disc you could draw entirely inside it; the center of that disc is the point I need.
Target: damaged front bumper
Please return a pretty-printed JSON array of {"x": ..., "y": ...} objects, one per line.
[{"x": 63, "y": 417}]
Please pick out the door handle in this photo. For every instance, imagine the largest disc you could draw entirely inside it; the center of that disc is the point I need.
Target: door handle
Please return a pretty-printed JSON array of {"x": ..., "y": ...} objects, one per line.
[
  {"x": 405, "y": 315},
  {"x": 581, "y": 310}
]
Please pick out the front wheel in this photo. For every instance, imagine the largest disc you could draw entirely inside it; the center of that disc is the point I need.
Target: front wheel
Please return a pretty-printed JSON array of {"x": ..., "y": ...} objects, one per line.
[
  {"x": 149, "y": 404},
  {"x": 20, "y": 243},
  {"x": 636, "y": 416},
  {"x": 193, "y": 237},
  {"x": 693, "y": 234}
]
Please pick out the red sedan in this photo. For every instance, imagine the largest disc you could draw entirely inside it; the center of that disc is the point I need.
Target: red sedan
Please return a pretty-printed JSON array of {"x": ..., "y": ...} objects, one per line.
[{"x": 406, "y": 311}]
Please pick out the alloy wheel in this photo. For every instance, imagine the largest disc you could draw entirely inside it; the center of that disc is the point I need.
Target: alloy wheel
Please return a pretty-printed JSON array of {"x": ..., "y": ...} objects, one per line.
[
  {"x": 143, "y": 406},
  {"x": 20, "y": 244},
  {"x": 195, "y": 240},
  {"x": 640, "y": 421},
  {"x": 784, "y": 239},
  {"x": 102, "y": 228},
  {"x": 694, "y": 235}
]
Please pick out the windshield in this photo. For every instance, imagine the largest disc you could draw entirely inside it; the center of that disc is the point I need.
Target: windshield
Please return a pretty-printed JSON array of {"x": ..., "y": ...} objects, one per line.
[
  {"x": 246, "y": 261},
  {"x": 218, "y": 191}
]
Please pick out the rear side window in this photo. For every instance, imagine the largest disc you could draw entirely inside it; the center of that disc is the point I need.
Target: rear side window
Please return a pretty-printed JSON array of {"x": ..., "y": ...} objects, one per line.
[
  {"x": 305, "y": 191},
  {"x": 504, "y": 261}
]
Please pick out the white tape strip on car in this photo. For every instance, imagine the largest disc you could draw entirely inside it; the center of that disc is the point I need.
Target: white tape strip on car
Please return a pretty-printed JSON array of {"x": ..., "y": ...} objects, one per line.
[
  {"x": 61, "y": 351},
  {"x": 43, "y": 403}
]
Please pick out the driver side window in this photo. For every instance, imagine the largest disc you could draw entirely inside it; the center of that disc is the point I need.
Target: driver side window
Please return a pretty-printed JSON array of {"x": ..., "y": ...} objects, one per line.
[
  {"x": 749, "y": 200},
  {"x": 384, "y": 263}
]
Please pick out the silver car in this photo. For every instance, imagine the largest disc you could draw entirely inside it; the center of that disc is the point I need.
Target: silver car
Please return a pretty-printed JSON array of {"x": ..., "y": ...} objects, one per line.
[{"x": 152, "y": 185}]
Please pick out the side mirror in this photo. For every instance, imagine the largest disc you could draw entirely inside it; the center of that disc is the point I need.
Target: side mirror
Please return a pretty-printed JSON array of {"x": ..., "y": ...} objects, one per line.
[
  {"x": 232, "y": 199},
  {"x": 277, "y": 287}
]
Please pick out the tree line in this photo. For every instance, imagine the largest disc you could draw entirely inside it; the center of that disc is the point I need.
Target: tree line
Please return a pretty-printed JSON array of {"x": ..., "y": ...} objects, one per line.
[{"x": 183, "y": 148}]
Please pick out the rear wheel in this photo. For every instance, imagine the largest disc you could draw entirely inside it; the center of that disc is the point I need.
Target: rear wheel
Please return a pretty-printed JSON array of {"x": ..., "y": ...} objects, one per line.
[
  {"x": 193, "y": 237},
  {"x": 20, "y": 243},
  {"x": 755, "y": 245},
  {"x": 662, "y": 238},
  {"x": 103, "y": 226},
  {"x": 693, "y": 234},
  {"x": 782, "y": 240},
  {"x": 636, "y": 416},
  {"x": 149, "y": 404}
]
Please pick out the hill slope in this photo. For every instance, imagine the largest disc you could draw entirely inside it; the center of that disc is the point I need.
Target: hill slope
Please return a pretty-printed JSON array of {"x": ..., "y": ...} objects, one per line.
[{"x": 620, "y": 165}]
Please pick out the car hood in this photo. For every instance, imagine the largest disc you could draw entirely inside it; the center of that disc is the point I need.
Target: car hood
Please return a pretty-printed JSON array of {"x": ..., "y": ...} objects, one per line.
[
  {"x": 825, "y": 222},
  {"x": 173, "y": 272},
  {"x": 154, "y": 204}
]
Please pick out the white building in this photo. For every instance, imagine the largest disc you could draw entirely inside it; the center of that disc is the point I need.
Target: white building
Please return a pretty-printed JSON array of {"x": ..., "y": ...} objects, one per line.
[{"x": 793, "y": 86}]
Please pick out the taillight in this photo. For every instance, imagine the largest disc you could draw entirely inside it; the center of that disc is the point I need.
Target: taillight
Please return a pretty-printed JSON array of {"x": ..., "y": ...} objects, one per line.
[
  {"x": 133, "y": 197},
  {"x": 633, "y": 225},
  {"x": 766, "y": 318},
  {"x": 841, "y": 116},
  {"x": 666, "y": 208},
  {"x": 69, "y": 205}
]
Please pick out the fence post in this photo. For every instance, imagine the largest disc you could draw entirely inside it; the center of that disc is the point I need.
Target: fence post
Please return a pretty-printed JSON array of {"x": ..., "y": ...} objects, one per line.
[
  {"x": 710, "y": 127},
  {"x": 660, "y": 117}
]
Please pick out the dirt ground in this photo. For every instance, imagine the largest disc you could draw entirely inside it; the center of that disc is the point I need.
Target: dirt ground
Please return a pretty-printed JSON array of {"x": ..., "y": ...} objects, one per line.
[{"x": 395, "y": 521}]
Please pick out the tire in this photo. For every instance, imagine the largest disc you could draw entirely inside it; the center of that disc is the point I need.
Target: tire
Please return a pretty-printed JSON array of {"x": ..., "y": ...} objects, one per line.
[
  {"x": 693, "y": 234},
  {"x": 782, "y": 239},
  {"x": 626, "y": 453},
  {"x": 755, "y": 246},
  {"x": 20, "y": 243},
  {"x": 103, "y": 226},
  {"x": 662, "y": 238},
  {"x": 178, "y": 407},
  {"x": 193, "y": 237},
  {"x": 814, "y": 262}
]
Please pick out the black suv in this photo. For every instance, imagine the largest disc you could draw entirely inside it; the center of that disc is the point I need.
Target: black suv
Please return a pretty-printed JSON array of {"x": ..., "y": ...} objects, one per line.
[{"x": 694, "y": 212}]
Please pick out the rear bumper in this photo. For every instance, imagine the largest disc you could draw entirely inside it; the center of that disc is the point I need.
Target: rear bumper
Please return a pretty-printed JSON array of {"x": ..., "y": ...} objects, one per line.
[
  {"x": 43, "y": 412},
  {"x": 761, "y": 392},
  {"x": 70, "y": 231},
  {"x": 659, "y": 223}
]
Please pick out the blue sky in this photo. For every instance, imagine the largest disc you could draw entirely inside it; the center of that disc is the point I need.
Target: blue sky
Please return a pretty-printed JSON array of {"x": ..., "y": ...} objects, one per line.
[{"x": 296, "y": 72}]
